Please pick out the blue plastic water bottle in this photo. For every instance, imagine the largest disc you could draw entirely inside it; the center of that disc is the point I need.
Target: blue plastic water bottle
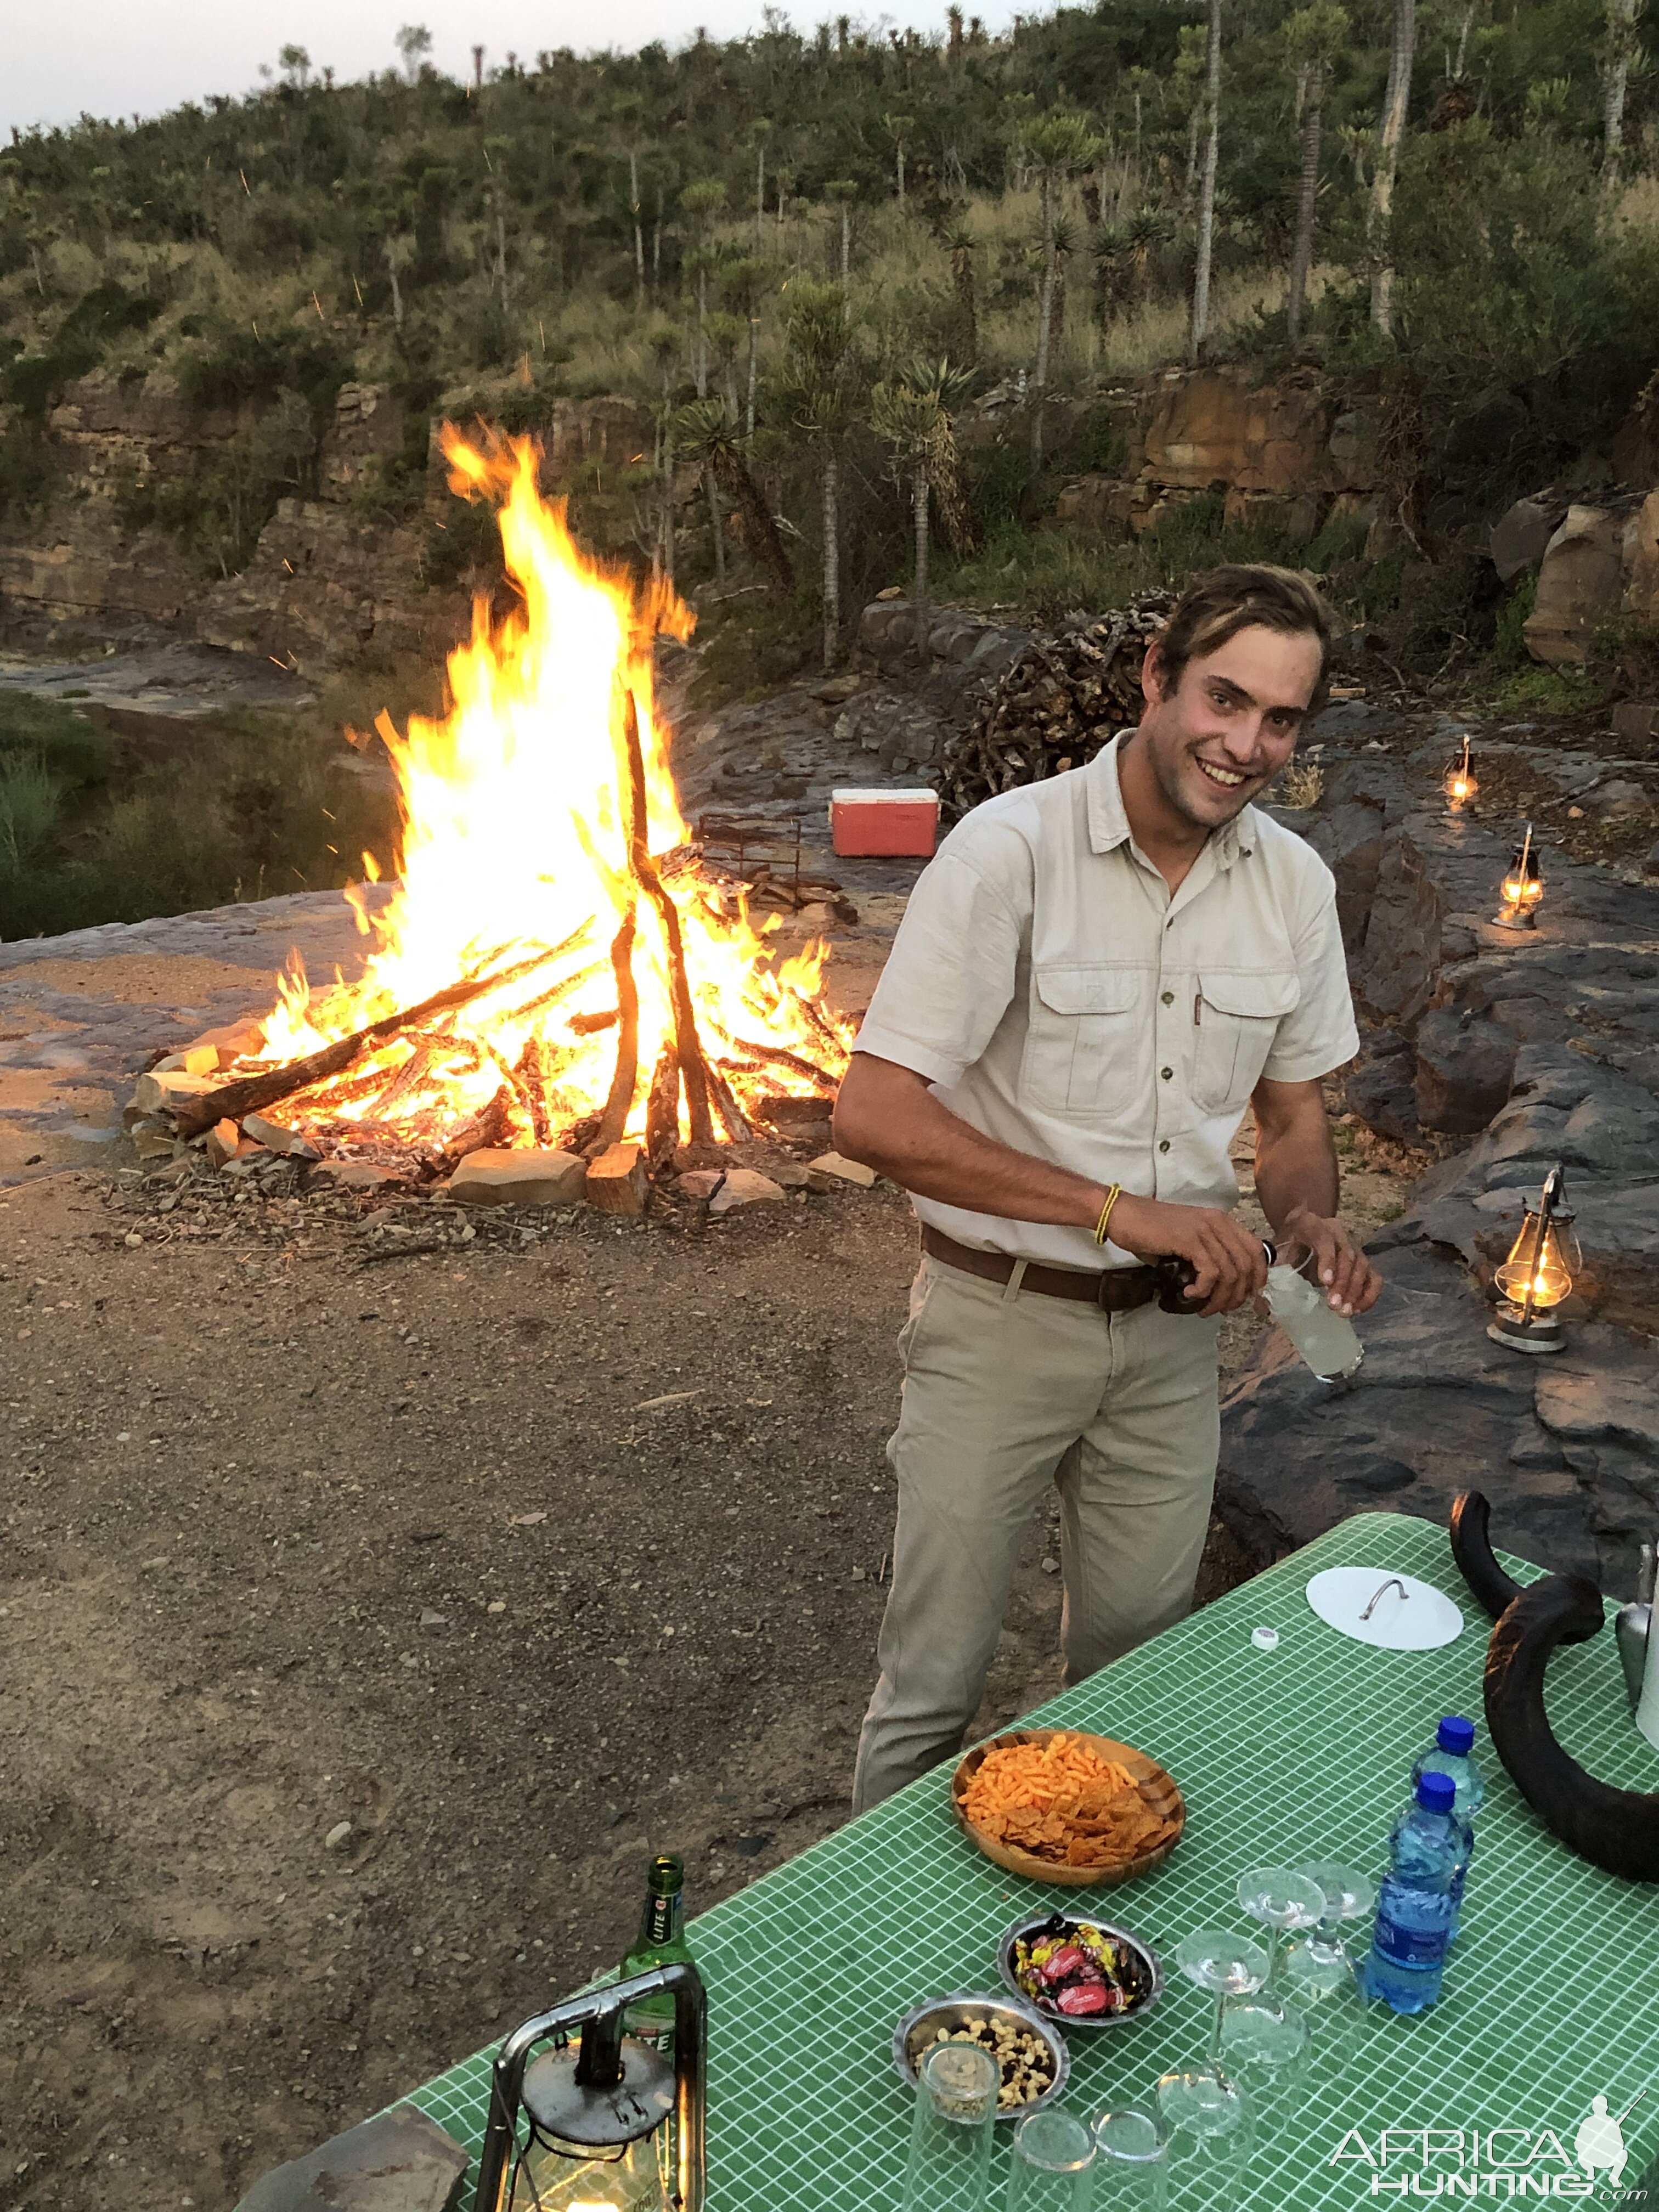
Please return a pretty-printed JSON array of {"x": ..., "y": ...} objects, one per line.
[
  {"x": 1414, "y": 1903},
  {"x": 1449, "y": 1753}
]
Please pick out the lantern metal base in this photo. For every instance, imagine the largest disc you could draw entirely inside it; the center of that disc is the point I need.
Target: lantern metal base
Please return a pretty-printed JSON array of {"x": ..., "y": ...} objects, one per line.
[
  {"x": 1515, "y": 918},
  {"x": 1511, "y": 1328}
]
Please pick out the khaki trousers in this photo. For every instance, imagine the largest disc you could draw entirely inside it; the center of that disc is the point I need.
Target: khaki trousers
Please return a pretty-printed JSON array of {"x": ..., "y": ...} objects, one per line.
[{"x": 1006, "y": 1391}]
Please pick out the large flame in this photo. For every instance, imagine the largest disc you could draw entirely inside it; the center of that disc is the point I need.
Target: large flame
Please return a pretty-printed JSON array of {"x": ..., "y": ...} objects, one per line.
[{"x": 515, "y": 849}]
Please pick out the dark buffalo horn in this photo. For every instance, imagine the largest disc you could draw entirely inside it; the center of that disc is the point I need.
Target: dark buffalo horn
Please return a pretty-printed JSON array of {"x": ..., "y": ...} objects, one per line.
[{"x": 1492, "y": 1589}]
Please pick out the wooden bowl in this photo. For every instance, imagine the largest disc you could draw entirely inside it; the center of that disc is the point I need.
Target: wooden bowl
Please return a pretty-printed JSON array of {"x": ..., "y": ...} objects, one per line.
[{"x": 1158, "y": 1788}]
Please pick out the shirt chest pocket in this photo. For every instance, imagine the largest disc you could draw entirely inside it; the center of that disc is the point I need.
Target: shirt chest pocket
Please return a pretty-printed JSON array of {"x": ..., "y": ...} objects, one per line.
[
  {"x": 1236, "y": 1013},
  {"x": 1086, "y": 1049}
]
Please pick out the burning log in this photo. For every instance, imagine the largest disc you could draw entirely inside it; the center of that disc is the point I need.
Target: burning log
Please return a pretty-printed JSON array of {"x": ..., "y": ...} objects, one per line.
[
  {"x": 736, "y": 1123},
  {"x": 694, "y": 1075},
  {"x": 662, "y": 1109},
  {"x": 1053, "y": 707},
  {"x": 532, "y": 1074},
  {"x": 488, "y": 1130},
  {"x": 624, "y": 1083},
  {"x": 255, "y": 1092}
]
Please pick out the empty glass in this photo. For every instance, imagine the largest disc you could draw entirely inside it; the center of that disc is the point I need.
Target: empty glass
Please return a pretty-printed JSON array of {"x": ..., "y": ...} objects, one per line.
[
  {"x": 949, "y": 2168},
  {"x": 1284, "y": 1898},
  {"x": 1053, "y": 2155},
  {"x": 1132, "y": 2162},
  {"x": 1230, "y": 1967},
  {"x": 1207, "y": 2158},
  {"x": 1321, "y": 1976}
]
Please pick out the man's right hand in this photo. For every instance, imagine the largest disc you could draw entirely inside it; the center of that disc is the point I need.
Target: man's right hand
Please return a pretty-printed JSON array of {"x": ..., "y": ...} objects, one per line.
[{"x": 1231, "y": 1263}]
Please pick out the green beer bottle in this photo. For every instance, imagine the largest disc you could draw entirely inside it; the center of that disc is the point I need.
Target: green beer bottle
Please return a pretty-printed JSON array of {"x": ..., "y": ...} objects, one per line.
[{"x": 660, "y": 1942}]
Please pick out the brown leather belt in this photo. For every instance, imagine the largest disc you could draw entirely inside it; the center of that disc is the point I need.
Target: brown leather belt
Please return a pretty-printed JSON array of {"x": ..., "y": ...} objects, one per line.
[{"x": 1118, "y": 1289}]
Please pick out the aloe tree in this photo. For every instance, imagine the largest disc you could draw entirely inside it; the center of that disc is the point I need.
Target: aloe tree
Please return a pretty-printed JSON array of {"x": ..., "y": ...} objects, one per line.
[
  {"x": 1314, "y": 36},
  {"x": 1057, "y": 146},
  {"x": 909, "y": 422},
  {"x": 947, "y": 383},
  {"x": 709, "y": 433},
  {"x": 843, "y": 191},
  {"x": 1200, "y": 327},
  {"x": 820, "y": 396},
  {"x": 901, "y": 129},
  {"x": 701, "y": 202},
  {"x": 1396, "y": 99},
  {"x": 741, "y": 285}
]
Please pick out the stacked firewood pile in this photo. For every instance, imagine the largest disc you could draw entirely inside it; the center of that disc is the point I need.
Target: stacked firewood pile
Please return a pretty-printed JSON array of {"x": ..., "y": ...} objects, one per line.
[{"x": 1054, "y": 706}]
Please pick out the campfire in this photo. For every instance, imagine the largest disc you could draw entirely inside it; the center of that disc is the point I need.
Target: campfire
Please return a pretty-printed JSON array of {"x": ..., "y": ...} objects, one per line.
[{"x": 554, "y": 968}]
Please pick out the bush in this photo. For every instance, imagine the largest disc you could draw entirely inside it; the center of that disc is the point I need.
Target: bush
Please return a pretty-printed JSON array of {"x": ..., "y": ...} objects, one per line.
[{"x": 238, "y": 365}]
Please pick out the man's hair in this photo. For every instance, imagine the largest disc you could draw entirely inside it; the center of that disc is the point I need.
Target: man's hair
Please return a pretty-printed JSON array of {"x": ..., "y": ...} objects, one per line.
[{"x": 1215, "y": 607}]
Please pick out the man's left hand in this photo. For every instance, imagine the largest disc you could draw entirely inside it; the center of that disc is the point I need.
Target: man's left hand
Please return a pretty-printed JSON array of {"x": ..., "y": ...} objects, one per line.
[{"x": 1347, "y": 1277}]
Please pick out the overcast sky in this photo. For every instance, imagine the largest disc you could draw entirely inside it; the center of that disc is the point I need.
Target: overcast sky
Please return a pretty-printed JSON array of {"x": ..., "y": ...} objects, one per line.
[{"x": 121, "y": 57}]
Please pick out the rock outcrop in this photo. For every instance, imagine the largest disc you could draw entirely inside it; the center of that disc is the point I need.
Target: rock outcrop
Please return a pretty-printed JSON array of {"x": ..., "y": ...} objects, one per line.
[
  {"x": 329, "y": 575},
  {"x": 1285, "y": 453},
  {"x": 1544, "y": 1047}
]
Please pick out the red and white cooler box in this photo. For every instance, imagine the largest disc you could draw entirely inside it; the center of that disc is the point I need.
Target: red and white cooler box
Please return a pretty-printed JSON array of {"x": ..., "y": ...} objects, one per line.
[{"x": 901, "y": 824}]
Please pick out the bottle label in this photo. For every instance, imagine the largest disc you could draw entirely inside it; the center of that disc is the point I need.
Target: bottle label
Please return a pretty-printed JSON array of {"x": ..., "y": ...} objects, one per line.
[
  {"x": 660, "y": 1914},
  {"x": 1405, "y": 1946}
]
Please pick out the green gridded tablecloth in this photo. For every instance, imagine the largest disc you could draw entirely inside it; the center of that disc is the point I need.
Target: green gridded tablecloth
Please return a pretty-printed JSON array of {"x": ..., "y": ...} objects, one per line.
[{"x": 1552, "y": 1994}]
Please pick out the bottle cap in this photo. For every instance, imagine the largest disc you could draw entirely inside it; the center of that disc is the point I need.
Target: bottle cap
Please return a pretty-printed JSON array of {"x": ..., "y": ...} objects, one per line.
[
  {"x": 1437, "y": 1793},
  {"x": 1456, "y": 1735}
]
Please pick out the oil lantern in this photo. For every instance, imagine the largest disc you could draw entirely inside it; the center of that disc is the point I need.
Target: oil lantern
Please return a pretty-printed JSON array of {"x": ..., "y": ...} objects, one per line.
[
  {"x": 1458, "y": 780},
  {"x": 606, "y": 2123},
  {"x": 1537, "y": 1277},
  {"x": 1522, "y": 888}
]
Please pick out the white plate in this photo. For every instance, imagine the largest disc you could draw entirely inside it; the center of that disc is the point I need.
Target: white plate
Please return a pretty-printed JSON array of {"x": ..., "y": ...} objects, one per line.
[{"x": 1419, "y": 1621}]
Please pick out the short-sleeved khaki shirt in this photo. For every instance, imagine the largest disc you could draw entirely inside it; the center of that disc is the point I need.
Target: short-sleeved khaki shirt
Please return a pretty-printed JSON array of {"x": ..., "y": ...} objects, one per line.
[{"x": 1057, "y": 997}]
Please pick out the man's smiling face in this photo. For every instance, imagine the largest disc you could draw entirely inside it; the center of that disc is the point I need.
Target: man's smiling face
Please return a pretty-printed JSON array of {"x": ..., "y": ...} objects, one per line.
[{"x": 1220, "y": 736}]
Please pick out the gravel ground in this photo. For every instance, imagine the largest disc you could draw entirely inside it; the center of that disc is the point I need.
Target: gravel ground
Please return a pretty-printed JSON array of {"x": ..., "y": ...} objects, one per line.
[{"x": 526, "y": 1556}]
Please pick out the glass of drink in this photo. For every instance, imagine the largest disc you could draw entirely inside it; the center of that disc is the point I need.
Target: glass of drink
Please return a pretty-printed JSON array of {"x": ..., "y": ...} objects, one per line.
[
  {"x": 949, "y": 2168},
  {"x": 1284, "y": 1898},
  {"x": 1050, "y": 2171},
  {"x": 1230, "y": 1967},
  {"x": 1132, "y": 2161}
]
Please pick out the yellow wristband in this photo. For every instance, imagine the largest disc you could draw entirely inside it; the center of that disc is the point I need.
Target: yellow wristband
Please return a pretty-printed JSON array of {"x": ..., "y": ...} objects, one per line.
[{"x": 1112, "y": 1198}]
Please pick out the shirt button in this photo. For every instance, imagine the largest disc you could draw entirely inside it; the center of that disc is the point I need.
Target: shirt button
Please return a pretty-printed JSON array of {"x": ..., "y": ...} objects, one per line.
[
  {"x": 1163, "y": 1144},
  {"x": 1169, "y": 998},
  {"x": 1166, "y": 1073}
]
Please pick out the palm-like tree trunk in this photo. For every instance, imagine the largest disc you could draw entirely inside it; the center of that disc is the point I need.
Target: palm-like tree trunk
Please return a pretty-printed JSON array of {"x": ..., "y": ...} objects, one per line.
[
  {"x": 831, "y": 490},
  {"x": 1045, "y": 318},
  {"x": 717, "y": 527},
  {"x": 919, "y": 518},
  {"x": 962, "y": 271},
  {"x": 753, "y": 355},
  {"x": 759, "y": 529},
  {"x": 701, "y": 365},
  {"x": 1306, "y": 196},
  {"x": 1621, "y": 42},
  {"x": 1200, "y": 324},
  {"x": 1395, "y": 101},
  {"x": 639, "y": 227}
]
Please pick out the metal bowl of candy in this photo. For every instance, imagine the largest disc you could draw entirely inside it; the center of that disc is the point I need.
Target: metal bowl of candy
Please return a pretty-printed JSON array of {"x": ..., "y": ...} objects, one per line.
[
  {"x": 1079, "y": 1970},
  {"x": 1030, "y": 2055}
]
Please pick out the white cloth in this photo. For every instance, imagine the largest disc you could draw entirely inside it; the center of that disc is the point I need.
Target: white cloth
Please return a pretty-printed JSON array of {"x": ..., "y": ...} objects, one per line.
[{"x": 1057, "y": 997}]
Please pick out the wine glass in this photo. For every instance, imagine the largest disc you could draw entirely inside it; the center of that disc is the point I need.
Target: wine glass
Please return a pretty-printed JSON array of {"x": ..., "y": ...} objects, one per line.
[
  {"x": 1284, "y": 1898},
  {"x": 1321, "y": 1976},
  {"x": 1229, "y": 1966}
]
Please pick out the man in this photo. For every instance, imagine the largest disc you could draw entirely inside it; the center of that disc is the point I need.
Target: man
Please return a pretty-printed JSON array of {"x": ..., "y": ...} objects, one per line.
[{"x": 1093, "y": 979}]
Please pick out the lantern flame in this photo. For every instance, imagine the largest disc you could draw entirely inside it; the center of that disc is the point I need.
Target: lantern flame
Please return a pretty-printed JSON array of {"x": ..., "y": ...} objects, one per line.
[{"x": 517, "y": 861}]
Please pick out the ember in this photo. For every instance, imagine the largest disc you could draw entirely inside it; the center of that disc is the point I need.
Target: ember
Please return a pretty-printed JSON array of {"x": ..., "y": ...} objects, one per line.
[{"x": 553, "y": 966}]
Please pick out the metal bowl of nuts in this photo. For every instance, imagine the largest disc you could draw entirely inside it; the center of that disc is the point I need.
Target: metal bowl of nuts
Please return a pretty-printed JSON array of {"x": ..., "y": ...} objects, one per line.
[{"x": 1031, "y": 2052}]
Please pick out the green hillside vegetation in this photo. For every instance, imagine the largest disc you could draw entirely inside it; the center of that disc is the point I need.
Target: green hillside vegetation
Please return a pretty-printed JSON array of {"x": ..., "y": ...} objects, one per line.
[{"x": 871, "y": 286}]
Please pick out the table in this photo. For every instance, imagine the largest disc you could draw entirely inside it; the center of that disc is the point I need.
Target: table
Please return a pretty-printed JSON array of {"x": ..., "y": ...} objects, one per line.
[{"x": 1551, "y": 1997}]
